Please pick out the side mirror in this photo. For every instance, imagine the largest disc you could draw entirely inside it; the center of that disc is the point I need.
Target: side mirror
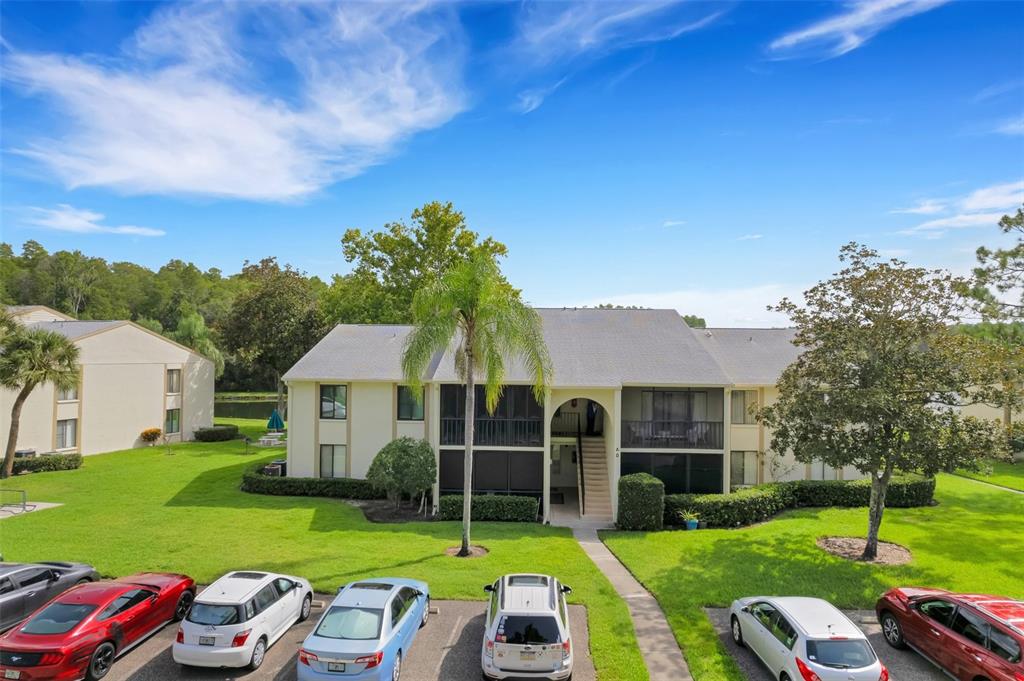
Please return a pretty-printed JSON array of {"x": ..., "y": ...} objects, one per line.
[
  {"x": 566, "y": 589},
  {"x": 745, "y": 608},
  {"x": 489, "y": 588}
]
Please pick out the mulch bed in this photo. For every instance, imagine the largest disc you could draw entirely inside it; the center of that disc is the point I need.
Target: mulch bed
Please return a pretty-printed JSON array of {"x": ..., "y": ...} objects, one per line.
[
  {"x": 384, "y": 511},
  {"x": 852, "y": 548},
  {"x": 474, "y": 551}
]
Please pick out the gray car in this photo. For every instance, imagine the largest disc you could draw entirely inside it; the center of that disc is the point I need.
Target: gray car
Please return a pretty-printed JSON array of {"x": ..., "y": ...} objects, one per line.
[{"x": 25, "y": 587}]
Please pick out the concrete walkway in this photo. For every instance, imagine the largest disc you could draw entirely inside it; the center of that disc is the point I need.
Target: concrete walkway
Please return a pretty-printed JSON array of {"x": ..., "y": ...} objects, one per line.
[
  {"x": 657, "y": 644},
  {"x": 990, "y": 484}
]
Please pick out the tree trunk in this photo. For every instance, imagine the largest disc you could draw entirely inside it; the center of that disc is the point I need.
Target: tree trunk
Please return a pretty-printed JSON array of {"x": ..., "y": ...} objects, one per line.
[
  {"x": 467, "y": 478},
  {"x": 280, "y": 396},
  {"x": 879, "y": 488},
  {"x": 12, "y": 435}
]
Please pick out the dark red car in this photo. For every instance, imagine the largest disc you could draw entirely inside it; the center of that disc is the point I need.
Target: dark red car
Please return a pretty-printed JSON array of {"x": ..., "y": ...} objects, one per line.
[
  {"x": 80, "y": 633},
  {"x": 972, "y": 637}
]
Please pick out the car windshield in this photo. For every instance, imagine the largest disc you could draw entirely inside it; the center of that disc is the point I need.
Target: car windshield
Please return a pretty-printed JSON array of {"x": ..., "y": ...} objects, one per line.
[
  {"x": 519, "y": 630},
  {"x": 213, "y": 615},
  {"x": 57, "y": 618},
  {"x": 357, "y": 624},
  {"x": 841, "y": 654}
]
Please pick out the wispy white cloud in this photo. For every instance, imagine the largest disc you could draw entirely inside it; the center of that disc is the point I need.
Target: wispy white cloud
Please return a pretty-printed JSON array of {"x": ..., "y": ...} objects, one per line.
[
  {"x": 750, "y": 237},
  {"x": 530, "y": 100},
  {"x": 65, "y": 218},
  {"x": 923, "y": 207},
  {"x": 1011, "y": 126},
  {"x": 741, "y": 306},
  {"x": 185, "y": 108},
  {"x": 673, "y": 223},
  {"x": 997, "y": 90},
  {"x": 857, "y": 23},
  {"x": 999, "y": 196},
  {"x": 981, "y": 208},
  {"x": 961, "y": 221}
]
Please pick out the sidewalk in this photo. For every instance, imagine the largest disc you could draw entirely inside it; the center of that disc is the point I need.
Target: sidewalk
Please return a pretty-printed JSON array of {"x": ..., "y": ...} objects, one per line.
[{"x": 657, "y": 644}]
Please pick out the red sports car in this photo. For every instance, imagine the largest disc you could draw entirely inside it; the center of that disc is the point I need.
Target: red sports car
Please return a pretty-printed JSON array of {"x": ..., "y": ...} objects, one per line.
[
  {"x": 80, "y": 633},
  {"x": 972, "y": 637}
]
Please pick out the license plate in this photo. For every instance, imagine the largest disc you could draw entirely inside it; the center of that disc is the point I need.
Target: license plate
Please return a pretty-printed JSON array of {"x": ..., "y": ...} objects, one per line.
[
  {"x": 528, "y": 655},
  {"x": 12, "y": 674},
  {"x": 207, "y": 640},
  {"x": 335, "y": 666}
]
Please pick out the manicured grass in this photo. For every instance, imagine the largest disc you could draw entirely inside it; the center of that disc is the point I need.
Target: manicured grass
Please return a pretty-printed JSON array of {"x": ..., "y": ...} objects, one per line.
[
  {"x": 145, "y": 509},
  {"x": 1004, "y": 473},
  {"x": 969, "y": 542},
  {"x": 229, "y": 394}
]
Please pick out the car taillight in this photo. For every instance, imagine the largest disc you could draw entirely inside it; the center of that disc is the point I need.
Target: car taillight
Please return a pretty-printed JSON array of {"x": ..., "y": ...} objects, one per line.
[
  {"x": 370, "y": 661},
  {"x": 180, "y": 638},
  {"x": 239, "y": 640},
  {"x": 50, "y": 658},
  {"x": 806, "y": 671},
  {"x": 884, "y": 676},
  {"x": 489, "y": 648},
  {"x": 1018, "y": 676},
  {"x": 305, "y": 657},
  {"x": 566, "y": 650}
]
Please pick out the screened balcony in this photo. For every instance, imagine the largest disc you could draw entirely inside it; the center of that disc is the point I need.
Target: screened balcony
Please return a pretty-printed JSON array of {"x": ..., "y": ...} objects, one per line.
[
  {"x": 518, "y": 420},
  {"x": 672, "y": 418}
]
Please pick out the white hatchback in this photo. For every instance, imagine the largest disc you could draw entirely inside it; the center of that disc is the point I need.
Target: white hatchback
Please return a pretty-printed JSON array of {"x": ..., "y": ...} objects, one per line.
[
  {"x": 804, "y": 639},
  {"x": 235, "y": 619},
  {"x": 526, "y": 631}
]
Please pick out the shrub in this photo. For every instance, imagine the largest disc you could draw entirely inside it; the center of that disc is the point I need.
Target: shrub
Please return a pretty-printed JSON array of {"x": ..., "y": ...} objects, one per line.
[
  {"x": 641, "y": 502},
  {"x": 506, "y": 508},
  {"x": 255, "y": 482},
  {"x": 218, "y": 433},
  {"x": 756, "y": 504},
  {"x": 150, "y": 435},
  {"x": 404, "y": 467},
  {"x": 48, "y": 462}
]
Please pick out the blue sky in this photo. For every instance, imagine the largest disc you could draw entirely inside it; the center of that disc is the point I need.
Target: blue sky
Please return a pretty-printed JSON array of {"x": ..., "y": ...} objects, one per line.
[{"x": 706, "y": 156}]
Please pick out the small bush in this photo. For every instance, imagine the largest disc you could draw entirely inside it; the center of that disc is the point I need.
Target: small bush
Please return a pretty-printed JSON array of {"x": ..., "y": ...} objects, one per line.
[
  {"x": 641, "y": 502},
  {"x": 218, "y": 433},
  {"x": 48, "y": 462},
  {"x": 150, "y": 435},
  {"x": 500, "y": 507},
  {"x": 404, "y": 467},
  {"x": 255, "y": 482},
  {"x": 905, "y": 491}
]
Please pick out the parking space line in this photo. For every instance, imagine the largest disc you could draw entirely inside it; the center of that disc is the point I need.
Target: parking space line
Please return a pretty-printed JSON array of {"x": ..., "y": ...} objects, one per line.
[{"x": 449, "y": 643}]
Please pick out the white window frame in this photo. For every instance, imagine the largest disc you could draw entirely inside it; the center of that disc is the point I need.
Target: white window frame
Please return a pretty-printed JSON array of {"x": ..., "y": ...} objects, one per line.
[
  {"x": 167, "y": 412},
  {"x": 334, "y": 473},
  {"x": 62, "y": 433}
]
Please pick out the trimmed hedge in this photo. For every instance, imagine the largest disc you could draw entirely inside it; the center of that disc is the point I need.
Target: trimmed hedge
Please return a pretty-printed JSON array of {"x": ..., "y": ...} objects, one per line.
[
  {"x": 48, "y": 462},
  {"x": 217, "y": 433},
  {"x": 255, "y": 482},
  {"x": 757, "y": 504},
  {"x": 641, "y": 502},
  {"x": 501, "y": 507}
]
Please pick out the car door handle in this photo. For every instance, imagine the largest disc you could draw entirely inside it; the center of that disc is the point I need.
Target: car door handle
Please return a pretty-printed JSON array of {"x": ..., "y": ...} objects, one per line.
[
  {"x": 935, "y": 632},
  {"x": 31, "y": 593}
]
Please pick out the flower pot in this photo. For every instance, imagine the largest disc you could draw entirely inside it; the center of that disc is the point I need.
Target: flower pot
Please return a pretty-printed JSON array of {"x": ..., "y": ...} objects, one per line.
[{"x": 691, "y": 524}]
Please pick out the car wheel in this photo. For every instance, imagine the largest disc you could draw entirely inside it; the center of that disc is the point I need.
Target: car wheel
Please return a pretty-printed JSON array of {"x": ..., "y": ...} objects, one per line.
[
  {"x": 259, "y": 651},
  {"x": 101, "y": 661},
  {"x": 184, "y": 603},
  {"x": 396, "y": 671},
  {"x": 83, "y": 580},
  {"x": 737, "y": 631},
  {"x": 307, "y": 605},
  {"x": 426, "y": 614},
  {"x": 892, "y": 631},
  {"x": 784, "y": 677}
]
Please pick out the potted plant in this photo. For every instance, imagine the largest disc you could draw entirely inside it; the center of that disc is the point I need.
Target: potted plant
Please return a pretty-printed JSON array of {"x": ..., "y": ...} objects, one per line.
[
  {"x": 690, "y": 519},
  {"x": 150, "y": 435}
]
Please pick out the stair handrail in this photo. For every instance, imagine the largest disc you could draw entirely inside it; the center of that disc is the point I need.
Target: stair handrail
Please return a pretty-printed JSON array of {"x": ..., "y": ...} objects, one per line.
[{"x": 581, "y": 491}]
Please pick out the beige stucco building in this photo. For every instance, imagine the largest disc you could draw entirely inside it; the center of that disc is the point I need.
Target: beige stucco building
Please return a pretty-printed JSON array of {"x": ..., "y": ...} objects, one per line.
[{"x": 132, "y": 379}]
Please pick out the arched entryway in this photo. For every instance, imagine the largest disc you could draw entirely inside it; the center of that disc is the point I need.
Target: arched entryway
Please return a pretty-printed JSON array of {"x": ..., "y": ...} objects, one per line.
[{"x": 579, "y": 476}]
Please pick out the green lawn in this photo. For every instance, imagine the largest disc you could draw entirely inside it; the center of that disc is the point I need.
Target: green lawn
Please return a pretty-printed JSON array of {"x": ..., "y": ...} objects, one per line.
[
  {"x": 145, "y": 509},
  {"x": 1003, "y": 473},
  {"x": 969, "y": 542}
]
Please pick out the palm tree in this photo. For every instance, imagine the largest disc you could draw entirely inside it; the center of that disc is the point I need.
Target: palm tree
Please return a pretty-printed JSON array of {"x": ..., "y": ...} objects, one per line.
[
  {"x": 473, "y": 306},
  {"x": 29, "y": 358}
]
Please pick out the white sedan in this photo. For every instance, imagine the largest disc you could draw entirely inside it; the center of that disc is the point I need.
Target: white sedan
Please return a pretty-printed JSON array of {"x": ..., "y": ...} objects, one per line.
[
  {"x": 804, "y": 639},
  {"x": 236, "y": 619}
]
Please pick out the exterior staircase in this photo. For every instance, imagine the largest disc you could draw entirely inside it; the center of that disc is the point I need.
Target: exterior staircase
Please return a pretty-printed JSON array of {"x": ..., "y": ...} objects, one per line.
[{"x": 597, "y": 503}]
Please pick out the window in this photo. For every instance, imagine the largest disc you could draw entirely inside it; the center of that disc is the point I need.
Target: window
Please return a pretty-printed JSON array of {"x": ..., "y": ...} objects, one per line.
[
  {"x": 493, "y": 610},
  {"x": 284, "y": 585},
  {"x": 6, "y": 586},
  {"x": 970, "y": 626},
  {"x": 353, "y": 624},
  {"x": 333, "y": 401},
  {"x": 213, "y": 615},
  {"x": 784, "y": 631},
  {"x": 668, "y": 406},
  {"x": 250, "y": 610},
  {"x": 744, "y": 402},
  {"x": 940, "y": 611},
  {"x": 763, "y": 613},
  {"x": 172, "y": 422},
  {"x": 401, "y": 604},
  {"x": 173, "y": 381},
  {"x": 681, "y": 473},
  {"x": 57, "y": 618},
  {"x": 839, "y": 654},
  {"x": 332, "y": 461},
  {"x": 67, "y": 433},
  {"x": 528, "y": 630},
  {"x": 69, "y": 395},
  {"x": 999, "y": 642},
  {"x": 743, "y": 468},
  {"x": 409, "y": 408},
  {"x": 265, "y": 597},
  {"x": 124, "y": 603},
  {"x": 34, "y": 576}
]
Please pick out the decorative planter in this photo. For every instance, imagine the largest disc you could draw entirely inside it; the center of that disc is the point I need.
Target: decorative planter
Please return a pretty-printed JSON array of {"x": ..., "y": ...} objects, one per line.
[{"x": 691, "y": 524}]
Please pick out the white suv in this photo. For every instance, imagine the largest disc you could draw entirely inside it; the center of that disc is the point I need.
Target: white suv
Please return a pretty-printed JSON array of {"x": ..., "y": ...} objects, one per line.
[
  {"x": 526, "y": 632},
  {"x": 235, "y": 619}
]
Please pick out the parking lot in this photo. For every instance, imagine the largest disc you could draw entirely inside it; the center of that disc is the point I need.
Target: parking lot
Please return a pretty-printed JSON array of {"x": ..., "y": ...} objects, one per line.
[
  {"x": 447, "y": 649},
  {"x": 904, "y": 665}
]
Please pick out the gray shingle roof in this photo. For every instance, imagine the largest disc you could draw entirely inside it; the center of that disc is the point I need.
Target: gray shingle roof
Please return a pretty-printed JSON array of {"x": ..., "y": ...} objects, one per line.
[
  {"x": 588, "y": 347},
  {"x": 76, "y": 329},
  {"x": 750, "y": 356}
]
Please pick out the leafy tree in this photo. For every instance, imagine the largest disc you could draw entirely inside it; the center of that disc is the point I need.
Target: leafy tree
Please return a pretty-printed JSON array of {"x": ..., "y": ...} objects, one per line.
[
  {"x": 881, "y": 375},
  {"x": 275, "y": 320},
  {"x": 359, "y": 298},
  {"x": 192, "y": 332},
  {"x": 404, "y": 258},
  {"x": 695, "y": 322},
  {"x": 473, "y": 306},
  {"x": 1000, "y": 273},
  {"x": 404, "y": 466},
  {"x": 153, "y": 325},
  {"x": 28, "y": 358}
]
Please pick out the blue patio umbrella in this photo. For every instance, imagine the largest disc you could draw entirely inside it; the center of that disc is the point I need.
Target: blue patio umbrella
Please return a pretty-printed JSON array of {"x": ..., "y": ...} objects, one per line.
[{"x": 275, "y": 422}]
